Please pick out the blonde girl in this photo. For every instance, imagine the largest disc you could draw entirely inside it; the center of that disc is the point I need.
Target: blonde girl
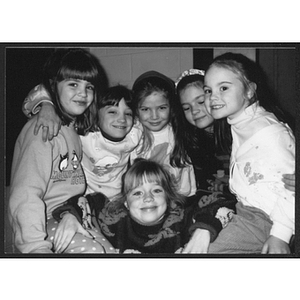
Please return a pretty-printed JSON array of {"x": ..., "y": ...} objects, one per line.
[{"x": 263, "y": 148}]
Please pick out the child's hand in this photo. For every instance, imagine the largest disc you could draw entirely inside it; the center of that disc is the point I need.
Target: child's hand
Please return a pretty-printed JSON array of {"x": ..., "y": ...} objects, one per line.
[
  {"x": 66, "y": 230},
  {"x": 199, "y": 242},
  {"x": 86, "y": 213},
  {"x": 289, "y": 181},
  {"x": 49, "y": 121},
  {"x": 274, "y": 245}
]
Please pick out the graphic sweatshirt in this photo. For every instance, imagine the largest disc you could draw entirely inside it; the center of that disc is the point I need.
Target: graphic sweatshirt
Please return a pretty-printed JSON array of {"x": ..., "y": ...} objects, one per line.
[{"x": 44, "y": 175}]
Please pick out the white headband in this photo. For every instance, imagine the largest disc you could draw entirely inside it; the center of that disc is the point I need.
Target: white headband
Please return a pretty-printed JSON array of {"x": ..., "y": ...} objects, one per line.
[{"x": 188, "y": 73}]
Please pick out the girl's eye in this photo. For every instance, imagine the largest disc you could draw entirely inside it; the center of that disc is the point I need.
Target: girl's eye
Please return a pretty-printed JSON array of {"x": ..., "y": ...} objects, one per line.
[
  {"x": 90, "y": 87},
  {"x": 201, "y": 99},
  {"x": 112, "y": 112},
  {"x": 73, "y": 84},
  {"x": 163, "y": 107},
  {"x": 137, "y": 193},
  {"x": 185, "y": 108},
  {"x": 158, "y": 190},
  {"x": 223, "y": 88},
  {"x": 129, "y": 114},
  {"x": 144, "y": 109},
  {"x": 207, "y": 91}
]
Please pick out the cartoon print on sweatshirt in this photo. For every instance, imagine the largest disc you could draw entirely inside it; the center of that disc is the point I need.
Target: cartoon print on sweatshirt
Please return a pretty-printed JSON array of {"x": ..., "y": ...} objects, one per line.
[
  {"x": 64, "y": 161},
  {"x": 103, "y": 166},
  {"x": 104, "y": 161},
  {"x": 63, "y": 164},
  {"x": 74, "y": 160},
  {"x": 63, "y": 172}
]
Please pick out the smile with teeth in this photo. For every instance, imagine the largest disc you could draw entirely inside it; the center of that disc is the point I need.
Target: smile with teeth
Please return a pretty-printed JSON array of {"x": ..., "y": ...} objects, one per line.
[
  {"x": 82, "y": 103},
  {"x": 217, "y": 106},
  {"x": 148, "y": 208},
  {"x": 120, "y": 127}
]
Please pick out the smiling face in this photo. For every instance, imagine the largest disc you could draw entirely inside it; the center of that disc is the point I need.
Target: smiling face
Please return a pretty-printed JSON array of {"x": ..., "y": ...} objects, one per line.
[
  {"x": 116, "y": 120},
  {"x": 154, "y": 111},
  {"x": 147, "y": 203},
  {"x": 75, "y": 95},
  {"x": 225, "y": 94},
  {"x": 192, "y": 101}
]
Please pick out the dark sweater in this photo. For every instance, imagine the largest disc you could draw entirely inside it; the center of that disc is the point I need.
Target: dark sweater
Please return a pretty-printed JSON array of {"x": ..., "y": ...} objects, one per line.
[{"x": 171, "y": 233}]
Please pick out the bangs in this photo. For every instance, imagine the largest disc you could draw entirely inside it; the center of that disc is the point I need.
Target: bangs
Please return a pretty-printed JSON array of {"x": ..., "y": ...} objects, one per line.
[
  {"x": 144, "y": 90},
  {"x": 135, "y": 180},
  {"x": 149, "y": 171},
  {"x": 109, "y": 102},
  {"x": 196, "y": 84},
  {"x": 192, "y": 80},
  {"x": 233, "y": 66},
  {"x": 72, "y": 64},
  {"x": 78, "y": 64},
  {"x": 75, "y": 72},
  {"x": 113, "y": 95},
  {"x": 160, "y": 88}
]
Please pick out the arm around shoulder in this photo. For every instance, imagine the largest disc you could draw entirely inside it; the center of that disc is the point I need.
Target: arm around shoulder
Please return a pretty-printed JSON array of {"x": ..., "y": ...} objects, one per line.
[
  {"x": 39, "y": 102},
  {"x": 32, "y": 102}
]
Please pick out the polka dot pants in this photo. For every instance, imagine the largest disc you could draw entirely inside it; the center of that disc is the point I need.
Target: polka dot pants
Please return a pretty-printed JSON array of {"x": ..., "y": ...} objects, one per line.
[{"x": 82, "y": 244}]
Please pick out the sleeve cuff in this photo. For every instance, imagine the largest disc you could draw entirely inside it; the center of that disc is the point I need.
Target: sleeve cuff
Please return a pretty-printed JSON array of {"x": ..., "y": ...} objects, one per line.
[
  {"x": 75, "y": 211},
  {"x": 214, "y": 228},
  {"x": 282, "y": 232},
  {"x": 37, "y": 107}
]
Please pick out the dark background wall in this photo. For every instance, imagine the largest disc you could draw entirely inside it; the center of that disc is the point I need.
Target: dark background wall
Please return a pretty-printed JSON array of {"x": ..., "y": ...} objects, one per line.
[
  {"x": 23, "y": 70},
  {"x": 280, "y": 66}
]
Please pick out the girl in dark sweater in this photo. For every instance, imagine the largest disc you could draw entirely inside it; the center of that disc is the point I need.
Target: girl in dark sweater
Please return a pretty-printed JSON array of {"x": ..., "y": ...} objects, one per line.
[{"x": 149, "y": 215}]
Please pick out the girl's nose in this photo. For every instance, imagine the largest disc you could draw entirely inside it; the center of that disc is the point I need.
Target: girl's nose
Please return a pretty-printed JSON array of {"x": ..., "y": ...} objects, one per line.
[
  {"x": 82, "y": 92},
  {"x": 122, "y": 119},
  {"x": 213, "y": 96},
  {"x": 154, "y": 114},
  {"x": 195, "y": 109},
  {"x": 148, "y": 197}
]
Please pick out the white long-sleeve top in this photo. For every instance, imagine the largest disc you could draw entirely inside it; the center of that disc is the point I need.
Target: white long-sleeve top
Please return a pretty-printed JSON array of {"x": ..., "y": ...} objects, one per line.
[
  {"x": 104, "y": 162},
  {"x": 263, "y": 149},
  {"x": 160, "y": 151}
]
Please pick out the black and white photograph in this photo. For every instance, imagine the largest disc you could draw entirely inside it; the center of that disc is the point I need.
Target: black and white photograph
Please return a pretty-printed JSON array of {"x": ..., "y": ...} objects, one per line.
[{"x": 150, "y": 151}]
